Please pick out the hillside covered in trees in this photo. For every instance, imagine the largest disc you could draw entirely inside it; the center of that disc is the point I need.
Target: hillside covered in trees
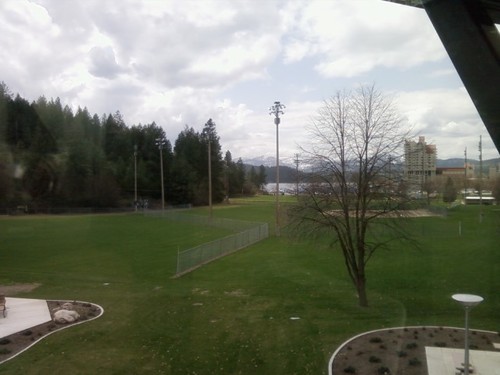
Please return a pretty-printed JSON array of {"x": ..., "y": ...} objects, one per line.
[{"x": 51, "y": 156}]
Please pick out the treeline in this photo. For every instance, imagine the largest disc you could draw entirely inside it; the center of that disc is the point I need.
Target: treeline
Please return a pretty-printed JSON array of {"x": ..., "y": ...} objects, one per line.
[{"x": 53, "y": 157}]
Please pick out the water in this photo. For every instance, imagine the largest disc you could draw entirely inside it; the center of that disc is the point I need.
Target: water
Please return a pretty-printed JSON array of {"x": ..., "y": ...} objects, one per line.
[{"x": 285, "y": 188}]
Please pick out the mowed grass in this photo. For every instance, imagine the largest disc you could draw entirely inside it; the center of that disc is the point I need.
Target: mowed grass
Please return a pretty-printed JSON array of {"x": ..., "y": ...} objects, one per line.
[{"x": 233, "y": 316}]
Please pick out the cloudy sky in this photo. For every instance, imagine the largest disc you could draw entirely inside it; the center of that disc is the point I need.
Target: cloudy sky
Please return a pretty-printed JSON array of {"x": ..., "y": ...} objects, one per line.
[{"x": 179, "y": 62}]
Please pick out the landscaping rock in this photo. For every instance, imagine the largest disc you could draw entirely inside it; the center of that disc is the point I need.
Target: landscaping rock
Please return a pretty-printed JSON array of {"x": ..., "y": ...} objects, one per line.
[{"x": 66, "y": 316}]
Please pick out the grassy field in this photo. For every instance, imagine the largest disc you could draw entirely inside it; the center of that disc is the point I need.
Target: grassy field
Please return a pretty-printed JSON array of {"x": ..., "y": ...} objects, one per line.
[{"x": 233, "y": 316}]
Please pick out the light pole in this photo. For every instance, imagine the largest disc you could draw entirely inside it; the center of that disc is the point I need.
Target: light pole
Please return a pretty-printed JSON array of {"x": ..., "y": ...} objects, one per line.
[
  {"x": 160, "y": 142},
  {"x": 468, "y": 301},
  {"x": 480, "y": 178},
  {"x": 209, "y": 178},
  {"x": 465, "y": 176},
  {"x": 135, "y": 177},
  {"x": 276, "y": 110}
]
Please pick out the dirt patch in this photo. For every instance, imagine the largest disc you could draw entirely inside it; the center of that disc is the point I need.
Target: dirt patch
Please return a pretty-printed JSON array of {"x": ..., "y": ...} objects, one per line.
[
  {"x": 18, "y": 288},
  {"x": 401, "y": 351},
  {"x": 13, "y": 344}
]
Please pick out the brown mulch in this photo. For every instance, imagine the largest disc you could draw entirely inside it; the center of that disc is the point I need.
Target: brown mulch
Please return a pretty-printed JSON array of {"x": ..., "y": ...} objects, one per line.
[
  {"x": 13, "y": 344},
  {"x": 401, "y": 351}
]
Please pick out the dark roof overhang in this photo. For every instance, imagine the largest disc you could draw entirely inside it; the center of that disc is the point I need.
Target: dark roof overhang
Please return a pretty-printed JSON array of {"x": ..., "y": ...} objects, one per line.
[{"x": 471, "y": 39}]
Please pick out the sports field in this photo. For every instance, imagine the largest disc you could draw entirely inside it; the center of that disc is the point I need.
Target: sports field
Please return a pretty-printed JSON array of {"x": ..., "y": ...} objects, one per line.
[{"x": 278, "y": 307}]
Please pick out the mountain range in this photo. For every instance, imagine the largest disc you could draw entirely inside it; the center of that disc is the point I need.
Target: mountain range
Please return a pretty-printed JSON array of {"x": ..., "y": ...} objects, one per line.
[{"x": 288, "y": 170}]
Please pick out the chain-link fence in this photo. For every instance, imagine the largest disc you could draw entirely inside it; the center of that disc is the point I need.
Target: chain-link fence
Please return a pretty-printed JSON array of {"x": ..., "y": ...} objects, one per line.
[
  {"x": 195, "y": 257},
  {"x": 190, "y": 259}
]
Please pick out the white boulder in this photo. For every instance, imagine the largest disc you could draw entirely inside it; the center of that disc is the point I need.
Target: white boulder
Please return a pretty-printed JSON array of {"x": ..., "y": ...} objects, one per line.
[{"x": 65, "y": 316}]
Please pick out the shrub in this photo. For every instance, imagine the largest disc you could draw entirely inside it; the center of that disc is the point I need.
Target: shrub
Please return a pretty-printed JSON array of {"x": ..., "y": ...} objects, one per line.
[
  {"x": 375, "y": 340},
  {"x": 374, "y": 359},
  {"x": 4, "y": 341},
  {"x": 440, "y": 344},
  {"x": 4, "y": 351},
  {"x": 414, "y": 362},
  {"x": 350, "y": 370},
  {"x": 383, "y": 370},
  {"x": 27, "y": 333},
  {"x": 401, "y": 353},
  {"x": 412, "y": 345}
]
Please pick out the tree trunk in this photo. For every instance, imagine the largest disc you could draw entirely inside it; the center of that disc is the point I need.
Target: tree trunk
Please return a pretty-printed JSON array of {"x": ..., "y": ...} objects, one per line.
[{"x": 361, "y": 289}]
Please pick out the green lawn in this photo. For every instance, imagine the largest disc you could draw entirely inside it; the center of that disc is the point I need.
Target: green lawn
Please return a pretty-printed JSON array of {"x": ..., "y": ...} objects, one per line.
[{"x": 233, "y": 315}]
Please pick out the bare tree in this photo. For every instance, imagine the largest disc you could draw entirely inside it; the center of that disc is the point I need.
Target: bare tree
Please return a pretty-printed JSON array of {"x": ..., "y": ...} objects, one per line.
[{"x": 356, "y": 139}]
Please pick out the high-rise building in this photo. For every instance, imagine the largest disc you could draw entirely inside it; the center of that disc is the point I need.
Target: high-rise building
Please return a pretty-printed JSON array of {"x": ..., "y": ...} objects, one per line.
[{"x": 420, "y": 163}]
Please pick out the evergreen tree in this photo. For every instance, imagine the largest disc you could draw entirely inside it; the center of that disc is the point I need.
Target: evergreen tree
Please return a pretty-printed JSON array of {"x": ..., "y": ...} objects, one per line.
[
  {"x": 187, "y": 167},
  {"x": 261, "y": 177},
  {"x": 450, "y": 191},
  {"x": 78, "y": 159},
  {"x": 239, "y": 178},
  {"x": 209, "y": 135}
]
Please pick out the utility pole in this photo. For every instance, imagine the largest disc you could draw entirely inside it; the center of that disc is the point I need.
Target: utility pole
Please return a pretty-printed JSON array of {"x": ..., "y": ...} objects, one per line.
[
  {"x": 209, "y": 179},
  {"x": 276, "y": 110},
  {"x": 481, "y": 178},
  {"x": 135, "y": 177},
  {"x": 297, "y": 161},
  {"x": 465, "y": 176},
  {"x": 160, "y": 142}
]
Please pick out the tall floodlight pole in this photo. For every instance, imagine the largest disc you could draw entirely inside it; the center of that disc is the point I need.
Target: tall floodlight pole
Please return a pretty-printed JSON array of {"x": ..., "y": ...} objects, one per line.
[
  {"x": 465, "y": 176},
  {"x": 135, "y": 177},
  {"x": 468, "y": 301},
  {"x": 160, "y": 142},
  {"x": 276, "y": 110},
  {"x": 209, "y": 178},
  {"x": 297, "y": 161},
  {"x": 481, "y": 178}
]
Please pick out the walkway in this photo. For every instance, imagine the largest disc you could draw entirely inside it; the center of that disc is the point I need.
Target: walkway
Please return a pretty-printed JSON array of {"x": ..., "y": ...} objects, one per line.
[
  {"x": 446, "y": 360},
  {"x": 22, "y": 314}
]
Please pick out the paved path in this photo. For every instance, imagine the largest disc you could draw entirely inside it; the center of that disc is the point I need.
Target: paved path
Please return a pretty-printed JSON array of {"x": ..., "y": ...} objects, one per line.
[
  {"x": 23, "y": 313},
  {"x": 442, "y": 361}
]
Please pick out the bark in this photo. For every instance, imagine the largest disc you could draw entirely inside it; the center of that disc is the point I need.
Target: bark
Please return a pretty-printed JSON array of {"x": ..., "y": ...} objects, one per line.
[{"x": 361, "y": 289}]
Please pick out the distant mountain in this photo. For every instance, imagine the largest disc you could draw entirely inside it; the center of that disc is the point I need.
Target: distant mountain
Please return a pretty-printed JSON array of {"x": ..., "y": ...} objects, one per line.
[
  {"x": 441, "y": 163},
  {"x": 459, "y": 162},
  {"x": 288, "y": 173},
  {"x": 452, "y": 163},
  {"x": 266, "y": 161}
]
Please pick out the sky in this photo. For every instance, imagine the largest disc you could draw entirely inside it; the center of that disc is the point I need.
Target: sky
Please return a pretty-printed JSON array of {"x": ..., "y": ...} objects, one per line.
[{"x": 181, "y": 62}]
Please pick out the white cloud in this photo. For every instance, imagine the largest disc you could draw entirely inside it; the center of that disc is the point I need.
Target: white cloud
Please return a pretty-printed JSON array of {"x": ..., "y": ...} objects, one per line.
[
  {"x": 353, "y": 37},
  {"x": 182, "y": 62},
  {"x": 447, "y": 118},
  {"x": 103, "y": 62}
]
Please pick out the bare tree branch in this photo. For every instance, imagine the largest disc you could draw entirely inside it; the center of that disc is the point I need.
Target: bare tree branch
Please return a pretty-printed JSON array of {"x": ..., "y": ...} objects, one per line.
[{"x": 356, "y": 137}]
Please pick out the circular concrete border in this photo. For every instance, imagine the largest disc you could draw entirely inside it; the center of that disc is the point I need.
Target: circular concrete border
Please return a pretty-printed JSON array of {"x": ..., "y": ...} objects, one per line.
[
  {"x": 332, "y": 358},
  {"x": 60, "y": 329}
]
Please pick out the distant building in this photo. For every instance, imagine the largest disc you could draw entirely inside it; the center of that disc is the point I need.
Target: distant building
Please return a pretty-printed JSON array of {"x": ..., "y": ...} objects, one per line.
[
  {"x": 456, "y": 171},
  {"x": 420, "y": 163},
  {"x": 494, "y": 172}
]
